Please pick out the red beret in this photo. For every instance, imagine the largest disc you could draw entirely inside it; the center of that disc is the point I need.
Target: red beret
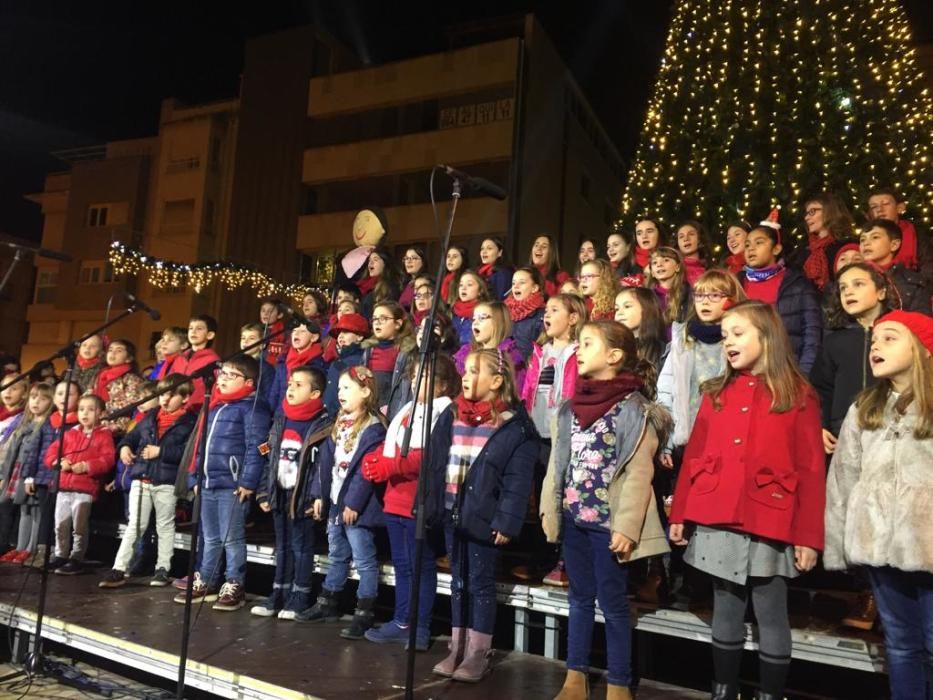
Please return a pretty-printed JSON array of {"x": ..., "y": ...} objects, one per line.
[{"x": 919, "y": 324}]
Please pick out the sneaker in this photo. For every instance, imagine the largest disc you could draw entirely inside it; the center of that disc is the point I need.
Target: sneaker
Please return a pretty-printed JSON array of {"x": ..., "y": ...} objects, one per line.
[
  {"x": 160, "y": 578},
  {"x": 297, "y": 601},
  {"x": 55, "y": 563},
  {"x": 232, "y": 597},
  {"x": 181, "y": 583},
  {"x": 69, "y": 568},
  {"x": 557, "y": 576},
  {"x": 37, "y": 558},
  {"x": 22, "y": 556},
  {"x": 114, "y": 579},
  {"x": 200, "y": 592},
  {"x": 269, "y": 607},
  {"x": 389, "y": 633},
  {"x": 9, "y": 556},
  {"x": 286, "y": 614}
]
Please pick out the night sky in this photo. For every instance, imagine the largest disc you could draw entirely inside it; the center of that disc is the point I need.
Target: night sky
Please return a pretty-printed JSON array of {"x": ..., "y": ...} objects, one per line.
[{"x": 81, "y": 73}]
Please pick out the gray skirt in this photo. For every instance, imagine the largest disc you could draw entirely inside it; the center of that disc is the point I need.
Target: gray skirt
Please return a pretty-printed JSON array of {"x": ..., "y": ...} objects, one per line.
[{"x": 734, "y": 556}]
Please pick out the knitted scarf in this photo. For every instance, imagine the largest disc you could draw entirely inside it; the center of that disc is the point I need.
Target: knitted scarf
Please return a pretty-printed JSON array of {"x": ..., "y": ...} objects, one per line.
[
  {"x": 84, "y": 363},
  {"x": 763, "y": 274},
  {"x": 485, "y": 271},
  {"x": 478, "y": 412},
  {"x": 706, "y": 333},
  {"x": 165, "y": 419},
  {"x": 816, "y": 266},
  {"x": 107, "y": 375},
  {"x": 642, "y": 257},
  {"x": 693, "y": 269},
  {"x": 298, "y": 358},
  {"x": 367, "y": 284},
  {"x": 303, "y": 411},
  {"x": 523, "y": 308},
  {"x": 464, "y": 309},
  {"x": 445, "y": 285},
  {"x": 593, "y": 398},
  {"x": 217, "y": 398}
]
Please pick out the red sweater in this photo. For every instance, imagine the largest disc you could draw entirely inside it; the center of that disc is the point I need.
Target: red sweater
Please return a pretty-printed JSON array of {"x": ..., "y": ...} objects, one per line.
[
  {"x": 766, "y": 291},
  {"x": 751, "y": 470},
  {"x": 94, "y": 448}
]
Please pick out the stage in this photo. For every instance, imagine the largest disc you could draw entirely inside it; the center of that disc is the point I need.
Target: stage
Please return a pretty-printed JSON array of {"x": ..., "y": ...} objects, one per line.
[{"x": 238, "y": 655}]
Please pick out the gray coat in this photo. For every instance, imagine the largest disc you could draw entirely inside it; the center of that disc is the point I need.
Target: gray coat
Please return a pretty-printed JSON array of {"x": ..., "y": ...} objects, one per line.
[
  {"x": 879, "y": 495},
  {"x": 23, "y": 440}
]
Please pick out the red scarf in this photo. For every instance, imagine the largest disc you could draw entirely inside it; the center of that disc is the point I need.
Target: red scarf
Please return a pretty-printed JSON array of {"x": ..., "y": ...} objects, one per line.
[
  {"x": 735, "y": 263},
  {"x": 464, "y": 309},
  {"x": 167, "y": 363},
  {"x": 87, "y": 364},
  {"x": 217, "y": 398},
  {"x": 366, "y": 285},
  {"x": 107, "y": 375},
  {"x": 6, "y": 413},
  {"x": 642, "y": 257},
  {"x": 276, "y": 344},
  {"x": 693, "y": 269},
  {"x": 485, "y": 271},
  {"x": 907, "y": 254},
  {"x": 592, "y": 398},
  {"x": 816, "y": 267},
  {"x": 303, "y": 411},
  {"x": 523, "y": 308},
  {"x": 55, "y": 418},
  {"x": 478, "y": 413},
  {"x": 445, "y": 285},
  {"x": 330, "y": 352},
  {"x": 297, "y": 358},
  {"x": 419, "y": 316},
  {"x": 165, "y": 419}
]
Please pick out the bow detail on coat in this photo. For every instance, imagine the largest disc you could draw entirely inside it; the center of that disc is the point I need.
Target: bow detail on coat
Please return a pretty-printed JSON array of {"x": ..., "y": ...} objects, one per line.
[
  {"x": 787, "y": 480},
  {"x": 706, "y": 463}
]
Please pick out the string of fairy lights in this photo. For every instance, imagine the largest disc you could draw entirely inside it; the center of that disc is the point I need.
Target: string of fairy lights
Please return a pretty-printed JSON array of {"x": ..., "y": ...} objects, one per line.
[
  {"x": 166, "y": 274},
  {"x": 760, "y": 103}
]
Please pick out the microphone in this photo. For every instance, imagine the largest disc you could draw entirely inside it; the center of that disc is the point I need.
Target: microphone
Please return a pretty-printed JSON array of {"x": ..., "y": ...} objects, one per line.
[
  {"x": 41, "y": 252},
  {"x": 480, "y": 184},
  {"x": 139, "y": 304}
]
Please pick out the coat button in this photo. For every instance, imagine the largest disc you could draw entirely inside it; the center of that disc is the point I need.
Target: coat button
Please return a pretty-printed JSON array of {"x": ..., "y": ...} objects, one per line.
[{"x": 738, "y": 441}]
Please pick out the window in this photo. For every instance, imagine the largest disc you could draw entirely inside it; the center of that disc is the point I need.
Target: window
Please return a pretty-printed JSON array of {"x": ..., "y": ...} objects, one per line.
[
  {"x": 97, "y": 215},
  {"x": 96, "y": 272},
  {"x": 46, "y": 284}
]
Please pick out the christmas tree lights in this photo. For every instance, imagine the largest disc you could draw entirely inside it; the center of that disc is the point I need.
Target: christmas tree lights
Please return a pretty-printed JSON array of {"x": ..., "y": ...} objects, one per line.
[
  {"x": 164, "y": 274},
  {"x": 760, "y": 103}
]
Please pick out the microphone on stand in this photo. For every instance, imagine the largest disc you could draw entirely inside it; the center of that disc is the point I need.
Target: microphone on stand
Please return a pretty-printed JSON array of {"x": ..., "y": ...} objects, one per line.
[
  {"x": 479, "y": 184},
  {"x": 139, "y": 304}
]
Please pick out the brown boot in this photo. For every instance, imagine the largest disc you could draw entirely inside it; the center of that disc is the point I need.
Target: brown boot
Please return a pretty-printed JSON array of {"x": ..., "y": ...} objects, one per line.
[
  {"x": 863, "y": 614},
  {"x": 476, "y": 659},
  {"x": 654, "y": 589},
  {"x": 618, "y": 692},
  {"x": 576, "y": 687},
  {"x": 457, "y": 644}
]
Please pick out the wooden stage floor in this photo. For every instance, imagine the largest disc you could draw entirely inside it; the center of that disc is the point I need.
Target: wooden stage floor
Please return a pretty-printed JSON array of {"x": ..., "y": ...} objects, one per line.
[{"x": 244, "y": 656}]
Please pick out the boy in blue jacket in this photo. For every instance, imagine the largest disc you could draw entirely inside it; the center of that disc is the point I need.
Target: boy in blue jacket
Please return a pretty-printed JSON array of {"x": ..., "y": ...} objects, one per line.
[
  {"x": 299, "y": 428},
  {"x": 152, "y": 452},
  {"x": 233, "y": 455}
]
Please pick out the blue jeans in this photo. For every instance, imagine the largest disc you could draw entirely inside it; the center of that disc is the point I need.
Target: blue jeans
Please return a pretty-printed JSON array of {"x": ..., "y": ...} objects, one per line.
[
  {"x": 346, "y": 542},
  {"x": 472, "y": 581},
  {"x": 223, "y": 520},
  {"x": 595, "y": 573},
  {"x": 294, "y": 548},
  {"x": 402, "y": 542},
  {"x": 905, "y": 603}
]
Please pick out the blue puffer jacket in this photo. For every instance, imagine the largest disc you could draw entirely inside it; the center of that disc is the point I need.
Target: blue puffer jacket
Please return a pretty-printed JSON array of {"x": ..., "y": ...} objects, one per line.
[
  {"x": 494, "y": 495},
  {"x": 164, "y": 468},
  {"x": 799, "y": 307},
  {"x": 357, "y": 493},
  {"x": 350, "y": 356},
  {"x": 314, "y": 435},
  {"x": 526, "y": 332},
  {"x": 230, "y": 454},
  {"x": 274, "y": 393},
  {"x": 34, "y": 454}
]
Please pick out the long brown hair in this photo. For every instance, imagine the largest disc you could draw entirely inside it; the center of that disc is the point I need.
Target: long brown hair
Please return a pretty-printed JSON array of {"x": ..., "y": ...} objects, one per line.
[
  {"x": 836, "y": 215},
  {"x": 652, "y": 333},
  {"x": 552, "y": 264},
  {"x": 871, "y": 402},
  {"x": 405, "y": 331},
  {"x": 483, "y": 294},
  {"x": 605, "y": 298},
  {"x": 788, "y": 386},
  {"x": 836, "y": 316},
  {"x": 617, "y": 336},
  {"x": 675, "y": 295}
]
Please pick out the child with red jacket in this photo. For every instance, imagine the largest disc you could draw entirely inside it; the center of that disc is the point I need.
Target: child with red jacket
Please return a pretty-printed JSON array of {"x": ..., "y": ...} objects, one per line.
[
  {"x": 87, "y": 458},
  {"x": 752, "y": 487},
  {"x": 201, "y": 331},
  {"x": 400, "y": 475}
]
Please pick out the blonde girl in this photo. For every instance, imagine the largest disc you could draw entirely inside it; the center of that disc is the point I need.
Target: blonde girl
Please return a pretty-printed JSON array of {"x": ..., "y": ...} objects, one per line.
[
  {"x": 599, "y": 287},
  {"x": 492, "y": 330}
]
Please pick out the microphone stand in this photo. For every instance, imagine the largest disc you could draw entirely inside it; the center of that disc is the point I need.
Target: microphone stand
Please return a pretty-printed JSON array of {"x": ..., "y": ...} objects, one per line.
[
  {"x": 428, "y": 357},
  {"x": 35, "y": 663}
]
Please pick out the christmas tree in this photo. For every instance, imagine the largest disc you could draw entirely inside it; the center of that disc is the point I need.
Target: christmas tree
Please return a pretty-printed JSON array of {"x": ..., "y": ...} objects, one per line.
[{"x": 762, "y": 102}]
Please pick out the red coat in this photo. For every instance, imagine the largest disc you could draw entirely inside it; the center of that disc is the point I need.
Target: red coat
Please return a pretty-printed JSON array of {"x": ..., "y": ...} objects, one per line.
[
  {"x": 755, "y": 471},
  {"x": 191, "y": 362},
  {"x": 96, "y": 449}
]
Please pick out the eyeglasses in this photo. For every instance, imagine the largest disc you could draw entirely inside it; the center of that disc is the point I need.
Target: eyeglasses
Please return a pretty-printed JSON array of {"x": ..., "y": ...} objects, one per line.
[
  {"x": 813, "y": 210},
  {"x": 713, "y": 297},
  {"x": 588, "y": 277},
  {"x": 382, "y": 319},
  {"x": 227, "y": 374},
  {"x": 479, "y": 318},
  {"x": 411, "y": 258},
  {"x": 421, "y": 296}
]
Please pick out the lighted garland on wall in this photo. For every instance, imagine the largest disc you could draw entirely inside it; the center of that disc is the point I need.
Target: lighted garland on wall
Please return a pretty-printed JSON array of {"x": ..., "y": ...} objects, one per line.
[
  {"x": 759, "y": 102},
  {"x": 164, "y": 274}
]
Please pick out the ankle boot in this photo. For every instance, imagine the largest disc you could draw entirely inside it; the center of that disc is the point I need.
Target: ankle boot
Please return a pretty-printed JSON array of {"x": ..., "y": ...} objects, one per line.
[
  {"x": 618, "y": 692},
  {"x": 724, "y": 691},
  {"x": 475, "y": 663},
  {"x": 325, "y": 609},
  {"x": 457, "y": 643},
  {"x": 654, "y": 589},
  {"x": 576, "y": 687},
  {"x": 362, "y": 619}
]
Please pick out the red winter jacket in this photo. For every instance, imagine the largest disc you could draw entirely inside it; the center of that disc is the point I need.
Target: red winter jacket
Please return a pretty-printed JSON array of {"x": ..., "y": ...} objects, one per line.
[
  {"x": 751, "y": 470},
  {"x": 191, "y": 362},
  {"x": 400, "y": 475},
  {"x": 96, "y": 449}
]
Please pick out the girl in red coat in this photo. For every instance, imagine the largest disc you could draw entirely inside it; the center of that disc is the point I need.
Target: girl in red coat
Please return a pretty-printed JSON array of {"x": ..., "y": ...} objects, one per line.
[
  {"x": 752, "y": 489},
  {"x": 400, "y": 475},
  {"x": 87, "y": 458}
]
